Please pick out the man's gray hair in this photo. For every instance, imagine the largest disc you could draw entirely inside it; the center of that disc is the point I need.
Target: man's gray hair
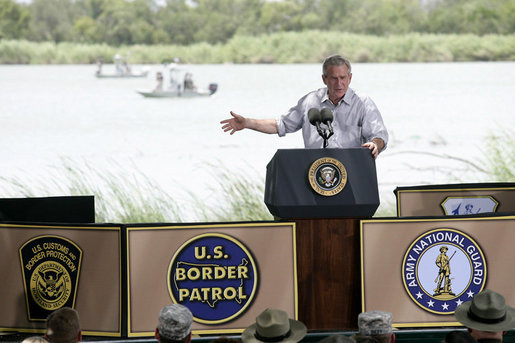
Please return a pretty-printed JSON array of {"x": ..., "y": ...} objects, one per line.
[{"x": 335, "y": 60}]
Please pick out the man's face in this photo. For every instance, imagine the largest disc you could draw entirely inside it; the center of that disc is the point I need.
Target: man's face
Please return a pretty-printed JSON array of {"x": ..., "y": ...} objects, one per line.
[{"x": 337, "y": 81}]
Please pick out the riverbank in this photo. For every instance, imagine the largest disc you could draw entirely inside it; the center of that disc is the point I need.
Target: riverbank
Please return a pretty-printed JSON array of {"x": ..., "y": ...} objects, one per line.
[{"x": 287, "y": 47}]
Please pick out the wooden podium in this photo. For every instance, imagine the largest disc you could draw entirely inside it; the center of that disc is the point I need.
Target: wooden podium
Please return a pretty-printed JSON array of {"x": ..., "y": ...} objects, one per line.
[
  {"x": 328, "y": 272},
  {"x": 327, "y": 229}
]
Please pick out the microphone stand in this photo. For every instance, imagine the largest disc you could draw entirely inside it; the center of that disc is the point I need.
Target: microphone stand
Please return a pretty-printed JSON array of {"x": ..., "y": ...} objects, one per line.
[{"x": 326, "y": 136}]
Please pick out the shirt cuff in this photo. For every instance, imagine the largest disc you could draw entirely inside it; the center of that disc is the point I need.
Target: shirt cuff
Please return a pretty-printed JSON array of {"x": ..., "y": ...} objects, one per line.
[{"x": 281, "y": 130}]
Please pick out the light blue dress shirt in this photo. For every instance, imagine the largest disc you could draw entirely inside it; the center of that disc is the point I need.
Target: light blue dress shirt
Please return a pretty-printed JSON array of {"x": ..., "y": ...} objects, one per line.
[{"x": 356, "y": 120}]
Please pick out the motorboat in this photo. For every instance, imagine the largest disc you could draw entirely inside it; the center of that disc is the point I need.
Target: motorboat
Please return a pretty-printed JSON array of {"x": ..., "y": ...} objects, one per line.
[
  {"x": 180, "y": 84},
  {"x": 176, "y": 93},
  {"x": 122, "y": 75},
  {"x": 122, "y": 69}
]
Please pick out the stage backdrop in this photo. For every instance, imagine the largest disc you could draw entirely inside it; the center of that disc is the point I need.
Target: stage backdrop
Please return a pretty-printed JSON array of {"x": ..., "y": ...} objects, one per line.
[
  {"x": 226, "y": 274},
  {"x": 455, "y": 199},
  {"x": 45, "y": 267},
  {"x": 422, "y": 269}
]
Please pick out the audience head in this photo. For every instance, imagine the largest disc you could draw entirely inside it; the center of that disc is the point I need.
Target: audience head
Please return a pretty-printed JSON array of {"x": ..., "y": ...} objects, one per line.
[
  {"x": 35, "y": 339},
  {"x": 486, "y": 315},
  {"x": 225, "y": 339},
  {"x": 274, "y": 326},
  {"x": 174, "y": 324},
  {"x": 375, "y": 326},
  {"x": 368, "y": 339},
  {"x": 459, "y": 337},
  {"x": 63, "y": 326},
  {"x": 337, "y": 339}
]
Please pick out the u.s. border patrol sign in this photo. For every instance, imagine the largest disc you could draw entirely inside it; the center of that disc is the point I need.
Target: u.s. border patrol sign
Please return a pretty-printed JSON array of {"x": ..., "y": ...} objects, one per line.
[
  {"x": 215, "y": 276},
  {"x": 443, "y": 268}
]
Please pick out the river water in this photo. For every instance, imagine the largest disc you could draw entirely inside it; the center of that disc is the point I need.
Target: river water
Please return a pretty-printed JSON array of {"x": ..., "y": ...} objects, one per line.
[{"x": 436, "y": 113}]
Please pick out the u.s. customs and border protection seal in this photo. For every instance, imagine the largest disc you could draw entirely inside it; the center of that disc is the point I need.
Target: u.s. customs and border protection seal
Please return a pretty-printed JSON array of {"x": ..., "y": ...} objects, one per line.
[
  {"x": 51, "y": 268},
  {"x": 442, "y": 269},
  {"x": 215, "y": 276},
  {"x": 327, "y": 176}
]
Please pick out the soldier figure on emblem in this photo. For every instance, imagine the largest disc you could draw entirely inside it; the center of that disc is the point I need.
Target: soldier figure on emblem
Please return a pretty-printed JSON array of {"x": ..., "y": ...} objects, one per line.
[{"x": 442, "y": 261}]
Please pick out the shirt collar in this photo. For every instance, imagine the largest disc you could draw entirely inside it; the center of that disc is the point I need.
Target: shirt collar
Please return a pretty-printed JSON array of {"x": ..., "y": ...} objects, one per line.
[{"x": 345, "y": 98}]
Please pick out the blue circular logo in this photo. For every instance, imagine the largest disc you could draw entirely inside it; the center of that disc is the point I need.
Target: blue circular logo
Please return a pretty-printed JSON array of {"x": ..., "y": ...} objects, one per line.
[
  {"x": 215, "y": 276},
  {"x": 442, "y": 269}
]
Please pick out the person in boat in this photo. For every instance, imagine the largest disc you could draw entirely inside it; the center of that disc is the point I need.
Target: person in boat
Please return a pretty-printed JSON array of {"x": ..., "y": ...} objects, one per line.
[
  {"x": 100, "y": 62},
  {"x": 356, "y": 121},
  {"x": 118, "y": 64},
  {"x": 188, "y": 82},
  {"x": 126, "y": 68},
  {"x": 159, "y": 86}
]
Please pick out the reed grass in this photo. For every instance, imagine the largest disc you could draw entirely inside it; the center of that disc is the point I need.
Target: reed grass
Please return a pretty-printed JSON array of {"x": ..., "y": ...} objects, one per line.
[
  {"x": 120, "y": 196},
  {"x": 127, "y": 195},
  {"x": 239, "y": 197},
  {"x": 499, "y": 156},
  {"x": 283, "y": 47}
]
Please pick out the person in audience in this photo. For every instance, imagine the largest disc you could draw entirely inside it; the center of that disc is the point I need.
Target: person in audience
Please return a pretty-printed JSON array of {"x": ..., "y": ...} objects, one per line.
[
  {"x": 457, "y": 336},
  {"x": 337, "y": 339},
  {"x": 367, "y": 339},
  {"x": 63, "y": 326},
  {"x": 486, "y": 316},
  {"x": 225, "y": 339},
  {"x": 35, "y": 339},
  {"x": 174, "y": 324},
  {"x": 375, "y": 326},
  {"x": 273, "y": 325}
]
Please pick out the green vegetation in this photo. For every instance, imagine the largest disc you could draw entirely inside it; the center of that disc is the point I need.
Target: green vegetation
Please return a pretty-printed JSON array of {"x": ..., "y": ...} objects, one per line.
[
  {"x": 499, "y": 157},
  {"x": 255, "y": 31},
  {"x": 239, "y": 197},
  {"x": 186, "y": 22},
  {"x": 283, "y": 47},
  {"x": 252, "y": 31}
]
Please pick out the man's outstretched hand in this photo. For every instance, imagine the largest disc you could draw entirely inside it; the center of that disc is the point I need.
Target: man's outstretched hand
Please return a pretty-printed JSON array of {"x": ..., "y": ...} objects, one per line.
[{"x": 236, "y": 123}]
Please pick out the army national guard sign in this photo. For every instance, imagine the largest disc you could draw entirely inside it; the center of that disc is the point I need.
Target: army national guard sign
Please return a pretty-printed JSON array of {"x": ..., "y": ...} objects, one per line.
[{"x": 442, "y": 269}]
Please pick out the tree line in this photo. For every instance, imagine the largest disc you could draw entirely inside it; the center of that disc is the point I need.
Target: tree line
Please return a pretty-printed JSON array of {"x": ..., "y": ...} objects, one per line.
[{"x": 186, "y": 22}]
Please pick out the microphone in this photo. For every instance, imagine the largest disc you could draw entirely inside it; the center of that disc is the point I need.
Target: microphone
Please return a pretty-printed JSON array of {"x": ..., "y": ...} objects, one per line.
[
  {"x": 315, "y": 119},
  {"x": 326, "y": 115}
]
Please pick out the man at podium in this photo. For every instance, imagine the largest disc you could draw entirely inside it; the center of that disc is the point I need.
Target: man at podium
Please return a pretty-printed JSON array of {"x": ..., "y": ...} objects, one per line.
[{"x": 334, "y": 116}]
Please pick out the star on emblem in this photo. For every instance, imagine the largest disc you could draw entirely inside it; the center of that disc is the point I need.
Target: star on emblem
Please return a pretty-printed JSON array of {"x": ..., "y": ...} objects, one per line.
[
  {"x": 430, "y": 303},
  {"x": 445, "y": 306},
  {"x": 459, "y": 302},
  {"x": 419, "y": 295},
  {"x": 470, "y": 294}
]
